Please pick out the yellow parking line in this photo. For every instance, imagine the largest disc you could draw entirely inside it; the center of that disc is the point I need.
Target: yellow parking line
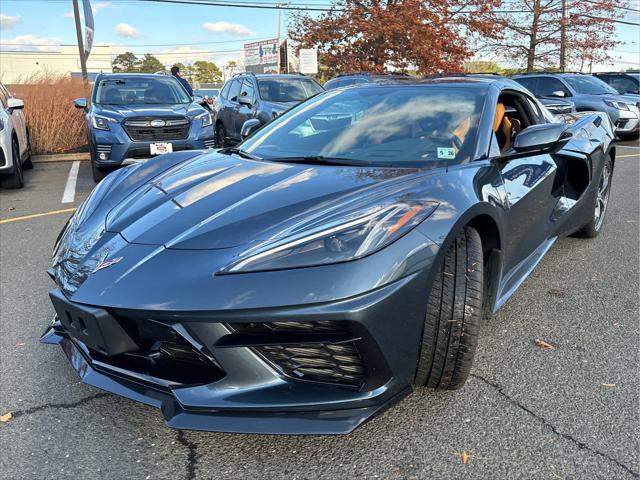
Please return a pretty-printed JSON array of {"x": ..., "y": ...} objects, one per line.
[{"x": 36, "y": 215}]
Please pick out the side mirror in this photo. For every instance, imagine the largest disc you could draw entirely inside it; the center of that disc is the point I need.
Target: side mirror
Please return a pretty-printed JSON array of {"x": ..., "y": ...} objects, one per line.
[
  {"x": 249, "y": 127},
  {"x": 545, "y": 138},
  {"x": 558, "y": 93},
  {"x": 80, "y": 103},
  {"x": 14, "y": 104},
  {"x": 244, "y": 100}
]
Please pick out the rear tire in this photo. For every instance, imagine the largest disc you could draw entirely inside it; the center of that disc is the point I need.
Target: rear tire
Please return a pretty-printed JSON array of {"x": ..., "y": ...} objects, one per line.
[
  {"x": 454, "y": 315},
  {"x": 15, "y": 179},
  {"x": 601, "y": 200}
]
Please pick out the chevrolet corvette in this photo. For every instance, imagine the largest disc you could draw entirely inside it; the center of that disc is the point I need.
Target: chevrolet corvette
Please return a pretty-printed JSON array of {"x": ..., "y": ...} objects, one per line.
[{"x": 339, "y": 256}]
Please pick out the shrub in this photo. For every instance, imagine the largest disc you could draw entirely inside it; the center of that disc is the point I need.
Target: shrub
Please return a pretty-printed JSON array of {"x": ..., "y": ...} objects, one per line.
[{"x": 55, "y": 125}]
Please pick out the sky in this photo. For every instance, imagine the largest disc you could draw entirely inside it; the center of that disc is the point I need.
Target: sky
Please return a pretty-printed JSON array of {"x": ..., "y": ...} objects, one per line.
[{"x": 186, "y": 32}]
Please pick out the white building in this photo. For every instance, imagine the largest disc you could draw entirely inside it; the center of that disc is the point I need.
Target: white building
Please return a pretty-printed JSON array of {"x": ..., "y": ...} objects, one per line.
[{"x": 18, "y": 67}]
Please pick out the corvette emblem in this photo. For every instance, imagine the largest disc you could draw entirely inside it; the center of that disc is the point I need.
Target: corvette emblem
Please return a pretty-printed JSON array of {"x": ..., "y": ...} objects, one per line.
[{"x": 107, "y": 263}]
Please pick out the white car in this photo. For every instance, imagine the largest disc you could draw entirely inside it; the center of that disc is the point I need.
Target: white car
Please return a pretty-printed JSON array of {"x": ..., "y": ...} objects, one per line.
[{"x": 15, "y": 149}]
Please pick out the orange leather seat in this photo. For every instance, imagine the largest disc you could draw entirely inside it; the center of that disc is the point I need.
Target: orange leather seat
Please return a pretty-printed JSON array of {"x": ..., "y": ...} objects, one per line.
[{"x": 502, "y": 127}]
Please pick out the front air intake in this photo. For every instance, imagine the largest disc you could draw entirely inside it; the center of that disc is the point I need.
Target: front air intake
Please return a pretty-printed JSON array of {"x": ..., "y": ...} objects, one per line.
[{"x": 318, "y": 351}]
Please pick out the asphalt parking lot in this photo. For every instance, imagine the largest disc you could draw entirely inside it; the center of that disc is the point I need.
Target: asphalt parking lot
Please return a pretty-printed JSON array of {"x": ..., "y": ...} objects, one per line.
[{"x": 526, "y": 412}]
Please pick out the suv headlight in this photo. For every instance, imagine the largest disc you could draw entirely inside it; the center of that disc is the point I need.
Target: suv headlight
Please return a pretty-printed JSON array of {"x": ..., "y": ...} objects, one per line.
[
  {"x": 337, "y": 238},
  {"x": 618, "y": 105},
  {"x": 101, "y": 123},
  {"x": 205, "y": 118}
]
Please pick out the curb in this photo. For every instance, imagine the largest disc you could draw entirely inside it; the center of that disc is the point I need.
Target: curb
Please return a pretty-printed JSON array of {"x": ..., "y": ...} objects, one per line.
[{"x": 64, "y": 157}]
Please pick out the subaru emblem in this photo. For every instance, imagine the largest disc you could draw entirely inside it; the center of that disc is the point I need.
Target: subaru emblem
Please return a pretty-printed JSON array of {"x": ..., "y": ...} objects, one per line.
[{"x": 157, "y": 123}]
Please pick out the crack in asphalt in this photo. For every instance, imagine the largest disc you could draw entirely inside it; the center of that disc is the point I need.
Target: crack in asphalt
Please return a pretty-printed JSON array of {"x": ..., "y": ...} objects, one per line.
[
  {"x": 192, "y": 459},
  {"x": 554, "y": 429},
  {"x": 46, "y": 406}
]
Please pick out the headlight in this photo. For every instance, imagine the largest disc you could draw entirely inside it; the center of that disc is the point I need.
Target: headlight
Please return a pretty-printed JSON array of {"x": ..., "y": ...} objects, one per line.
[
  {"x": 340, "y": 237},
  {"x": 101, "y": 123},
  {"x": 205, "y": 118},
  {"x": 618, "y": 105}
]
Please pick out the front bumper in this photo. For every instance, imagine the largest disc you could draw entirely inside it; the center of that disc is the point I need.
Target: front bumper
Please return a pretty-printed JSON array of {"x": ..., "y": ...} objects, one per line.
[
  {"x": 114, "y": 148},
  {"x": 628, "y": 122},
  {"x": 249, "y": 393}
]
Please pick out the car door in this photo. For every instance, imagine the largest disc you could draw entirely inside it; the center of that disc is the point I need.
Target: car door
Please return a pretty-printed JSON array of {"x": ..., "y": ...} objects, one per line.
[
  {"x": 529, "y": 185},
  {"x": 245, "y": 112},
  {"x": 232, "y": 109}
]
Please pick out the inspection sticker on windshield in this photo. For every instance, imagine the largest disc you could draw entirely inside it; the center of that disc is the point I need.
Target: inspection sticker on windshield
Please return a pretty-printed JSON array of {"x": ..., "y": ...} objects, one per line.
[{"x": 446, "y": 153}]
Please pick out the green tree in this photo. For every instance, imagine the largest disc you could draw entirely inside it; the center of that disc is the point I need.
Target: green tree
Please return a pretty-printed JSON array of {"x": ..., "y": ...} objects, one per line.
[
  {"x": 206, "y": 72},
  {"x": 125, "y": 62},
  {"x": 150, "y": 64}
]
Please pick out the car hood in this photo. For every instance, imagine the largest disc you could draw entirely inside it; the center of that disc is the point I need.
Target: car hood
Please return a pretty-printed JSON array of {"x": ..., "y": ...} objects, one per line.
[
  {"x": 120, "y": 112},
  {"x": 220, "y": 201}
]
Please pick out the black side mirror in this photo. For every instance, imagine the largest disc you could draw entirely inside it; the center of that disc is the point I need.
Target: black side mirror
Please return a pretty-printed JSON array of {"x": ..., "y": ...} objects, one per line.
[
  {"x": 545, "y": 138},
  {"x": 249, "y": 127},
  {"x": 80, "y": 103},
  {"x": 245, "y": 100}
]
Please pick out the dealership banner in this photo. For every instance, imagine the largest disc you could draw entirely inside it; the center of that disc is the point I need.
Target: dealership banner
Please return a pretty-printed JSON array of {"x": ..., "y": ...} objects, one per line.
[
  {"x": 89, "y": 27},
  {"x": 261, "y": 57}
]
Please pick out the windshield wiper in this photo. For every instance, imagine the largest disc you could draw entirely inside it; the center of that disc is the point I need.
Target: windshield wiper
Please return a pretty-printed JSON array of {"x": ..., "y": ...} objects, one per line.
[
  {"x": 240, "y": 153},
  {"x": 322, "y": 160}
]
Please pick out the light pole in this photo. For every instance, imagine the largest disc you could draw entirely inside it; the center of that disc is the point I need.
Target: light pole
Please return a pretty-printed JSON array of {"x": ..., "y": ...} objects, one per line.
[{"x": 83, "y": 58}]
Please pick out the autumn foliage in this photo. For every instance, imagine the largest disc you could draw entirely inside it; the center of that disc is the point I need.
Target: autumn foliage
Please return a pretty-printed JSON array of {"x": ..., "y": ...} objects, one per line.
[
  {"x": 426, "y": 36},
  {"x": 531, "y": 32},
  {"x": 55, "y": 126}
]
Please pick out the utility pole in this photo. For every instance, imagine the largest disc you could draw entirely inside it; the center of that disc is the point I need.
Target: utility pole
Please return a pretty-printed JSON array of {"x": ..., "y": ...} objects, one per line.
[
  {"x": 279, "y": 20},
  {"x": 83, "y": 58},
  {"x": 563, "y": 37}
]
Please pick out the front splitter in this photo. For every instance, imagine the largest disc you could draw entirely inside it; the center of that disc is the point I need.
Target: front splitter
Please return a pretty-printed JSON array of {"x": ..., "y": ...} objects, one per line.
[{"x": 294, "y": 422}]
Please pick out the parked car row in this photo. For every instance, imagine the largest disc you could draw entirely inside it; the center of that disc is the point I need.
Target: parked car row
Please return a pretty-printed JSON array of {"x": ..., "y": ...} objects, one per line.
[{"x": 134, "y": 117}]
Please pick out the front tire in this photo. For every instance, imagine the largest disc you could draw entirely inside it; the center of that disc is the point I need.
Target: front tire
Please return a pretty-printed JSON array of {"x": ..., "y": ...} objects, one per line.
[
  {"x": 97, "y": 172},
  {"x": 601, "y": 201},
  {"x": 453, "y": 317},
  {"x": 28, "y": 162},
  {"x": 16, "y": 178},
  {"x": 221, "y": 136}
]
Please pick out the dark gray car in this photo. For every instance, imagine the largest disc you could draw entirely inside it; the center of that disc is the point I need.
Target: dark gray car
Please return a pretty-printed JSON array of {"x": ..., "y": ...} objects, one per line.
[
  {"x": 624, "y": 82},
  {"x": 263, "y": 97},
  {"x": 588, "y": 94}
]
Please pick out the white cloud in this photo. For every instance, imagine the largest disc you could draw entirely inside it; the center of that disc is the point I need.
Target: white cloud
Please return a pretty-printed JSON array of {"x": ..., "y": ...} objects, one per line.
[
  {"x": 32, "y": 43},
  {"x": 8, "y": 21},
  {"x": 227, "y": 27},
  {"x": 126, "y": 30},
  {"x": 185, "y": 55}
]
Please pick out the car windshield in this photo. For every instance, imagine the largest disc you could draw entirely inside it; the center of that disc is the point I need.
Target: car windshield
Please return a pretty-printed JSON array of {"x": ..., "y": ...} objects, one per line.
[
  {"x": 401, "y": 126},
  {"x": 141, "y": 90},
  {"x": 287, "y": 89},
  {"x": 589, "y": 85}
]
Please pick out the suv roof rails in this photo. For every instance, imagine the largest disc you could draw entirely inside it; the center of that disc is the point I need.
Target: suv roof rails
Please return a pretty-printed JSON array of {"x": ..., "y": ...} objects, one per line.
[
  {"x": 549, "y": 72},
  {"x": 242, "y": 73},
  {"x": 366, "y": 74}
]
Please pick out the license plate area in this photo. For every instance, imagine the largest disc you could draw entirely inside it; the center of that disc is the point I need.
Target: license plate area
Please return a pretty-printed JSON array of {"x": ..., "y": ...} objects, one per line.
[
  {"x": 160, "y": 148},
  {"x": 94, "y": 327}
]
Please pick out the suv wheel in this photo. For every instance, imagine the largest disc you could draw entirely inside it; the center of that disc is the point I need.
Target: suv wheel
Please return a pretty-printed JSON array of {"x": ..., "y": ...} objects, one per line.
[
  {"x": 16, "y": 178},
  {"x": 221, "y": 136}
]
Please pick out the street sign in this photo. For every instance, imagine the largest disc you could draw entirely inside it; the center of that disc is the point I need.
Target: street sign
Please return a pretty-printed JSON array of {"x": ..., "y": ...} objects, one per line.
[
  {"x": 88, "y": 27},
  {"x": 309, "y": 60}
]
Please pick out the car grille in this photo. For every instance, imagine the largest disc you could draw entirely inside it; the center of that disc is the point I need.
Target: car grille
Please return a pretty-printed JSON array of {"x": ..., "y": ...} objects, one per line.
[
  {"x": 320, "y": 351},
  {"x": 140, "y": 129}
]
